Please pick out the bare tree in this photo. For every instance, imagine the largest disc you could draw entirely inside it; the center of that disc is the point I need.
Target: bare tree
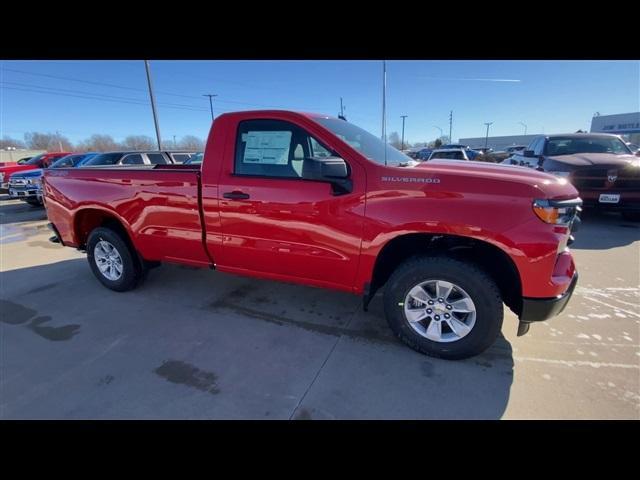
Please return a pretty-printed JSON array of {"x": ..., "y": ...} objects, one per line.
[
  {"x": 99, "y": 143},
  {"x": 138, "y": 142},
  {"x": 394, "y": 140},
  {"x": 51, "y": 142},
  {"x": 7, "y": 142},
  {"x": 190, "y": 142}
]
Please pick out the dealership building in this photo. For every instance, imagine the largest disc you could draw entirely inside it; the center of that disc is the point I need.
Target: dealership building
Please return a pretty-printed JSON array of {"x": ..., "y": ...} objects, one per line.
[
  {"x": 626, "y": 125},
  {"x": 498, "y": 143}
]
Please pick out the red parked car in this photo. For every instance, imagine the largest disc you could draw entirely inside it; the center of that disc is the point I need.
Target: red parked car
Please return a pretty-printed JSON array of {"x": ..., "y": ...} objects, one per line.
[
  {"x": 318, "y": 201},
  {"x": 39, "y": 161}
]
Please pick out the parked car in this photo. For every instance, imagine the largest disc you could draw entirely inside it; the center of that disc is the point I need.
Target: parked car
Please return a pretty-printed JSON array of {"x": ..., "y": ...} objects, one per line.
[
  {"x": 27, "y": 185},
  {"x": 449, "y": 153},
  {"x": 515, "y": 148},
  {"x": 471, "y": 152},
  {"x": 316, "y": 200},
  {"x": 39, "y": 161},
  {"x": 23, "y": 160},
  {"x": 195, "y": 159},
  {"x": 137, "y": 158},
  {"x": 601, "y": 166},
  {"x": 484, "y": 150}
]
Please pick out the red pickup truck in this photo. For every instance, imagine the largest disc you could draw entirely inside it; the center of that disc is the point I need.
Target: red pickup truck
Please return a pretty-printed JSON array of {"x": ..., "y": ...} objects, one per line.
[
  {"x": 40, "y": 161},
  {"x": 318, "y": 201}
]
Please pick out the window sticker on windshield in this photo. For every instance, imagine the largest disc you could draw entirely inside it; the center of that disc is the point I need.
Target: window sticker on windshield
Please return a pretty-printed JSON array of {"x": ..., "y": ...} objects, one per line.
[{"x": 270, "y": 148}]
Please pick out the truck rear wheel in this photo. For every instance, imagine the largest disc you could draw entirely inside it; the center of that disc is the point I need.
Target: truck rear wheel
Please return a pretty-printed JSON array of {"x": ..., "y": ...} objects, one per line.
[
  {"x": 443, "y": 307},
  {"x": 112, "y": 260}
]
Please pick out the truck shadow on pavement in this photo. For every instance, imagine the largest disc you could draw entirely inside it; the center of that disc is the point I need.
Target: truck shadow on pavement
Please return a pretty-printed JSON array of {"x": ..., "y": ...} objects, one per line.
[
  {"x": 357, "y": 369},
  {"x": 604, "y": 230}
]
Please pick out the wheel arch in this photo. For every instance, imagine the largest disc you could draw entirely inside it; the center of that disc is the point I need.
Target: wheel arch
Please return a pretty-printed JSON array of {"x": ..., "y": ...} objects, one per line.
[
  {"x": 489, "y": 257},
  {"x": 87, "y": 219}
]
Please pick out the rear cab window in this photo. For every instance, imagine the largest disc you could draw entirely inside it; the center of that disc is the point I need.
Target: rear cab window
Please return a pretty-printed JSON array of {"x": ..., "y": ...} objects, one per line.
[
  {"x": 132, "y": 159},
  {"x": 157, "y": 159}
]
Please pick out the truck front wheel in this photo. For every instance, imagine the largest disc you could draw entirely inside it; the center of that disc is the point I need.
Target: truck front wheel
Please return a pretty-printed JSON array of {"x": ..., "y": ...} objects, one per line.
[
  {"x": 112, "y": 260},
  {"x": 443, "y": 307}
]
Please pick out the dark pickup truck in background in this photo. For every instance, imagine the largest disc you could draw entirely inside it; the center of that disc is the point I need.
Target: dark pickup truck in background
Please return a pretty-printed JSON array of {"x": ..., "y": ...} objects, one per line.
[{"x": 603, "y": 169}]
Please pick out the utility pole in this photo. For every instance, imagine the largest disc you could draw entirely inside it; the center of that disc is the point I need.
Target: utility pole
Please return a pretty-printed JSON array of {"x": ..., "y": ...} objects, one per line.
[
  {"x": 525, "y": 127},
  {"x": 153, "y": 104},
  {"x": 441, "y": 133},
  {"x": 341, "y": 108},
  {"x": 59, "y": 142},
  {"x": 450, "y": 125},
  {"x": 174, "y": 142},
  {"x": 210, "y": 102},
  {"x": 402, "y": 144},
  {"x": 384, "y": 111},
  {"x": 486, "y": 139}
]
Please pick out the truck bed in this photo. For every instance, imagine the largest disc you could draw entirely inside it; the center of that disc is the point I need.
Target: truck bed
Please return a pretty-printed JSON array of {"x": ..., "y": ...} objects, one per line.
[{"x": 158, "y": 205}]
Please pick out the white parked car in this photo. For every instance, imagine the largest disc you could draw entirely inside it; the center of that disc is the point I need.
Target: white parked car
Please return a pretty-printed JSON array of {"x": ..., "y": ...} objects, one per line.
[{"x": 449, "y": 154}]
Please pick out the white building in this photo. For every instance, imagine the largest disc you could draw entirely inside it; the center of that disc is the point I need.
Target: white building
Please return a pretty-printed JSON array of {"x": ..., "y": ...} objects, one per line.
[
  {"x": 625, "y": 124},
  {"x": 498, "y": 143}
]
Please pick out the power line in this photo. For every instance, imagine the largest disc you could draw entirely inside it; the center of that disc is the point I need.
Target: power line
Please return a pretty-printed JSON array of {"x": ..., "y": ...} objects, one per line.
[
  {"x": 95, "y": 96},
  {"x": 112, "y": 85}
]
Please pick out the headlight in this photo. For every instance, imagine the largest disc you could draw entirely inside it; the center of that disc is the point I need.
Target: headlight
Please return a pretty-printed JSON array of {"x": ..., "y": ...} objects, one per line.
[
  {"x": 560, "y": 174},
  {"x": 557, "y": 212},
  {"x": 37, "y": 182}
]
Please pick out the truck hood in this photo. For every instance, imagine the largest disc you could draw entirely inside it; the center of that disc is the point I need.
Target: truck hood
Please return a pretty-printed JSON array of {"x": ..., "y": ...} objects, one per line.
[
  {"x": 28, "y": 174},
  {"x": 591, "y": 159},
  {"x": 525, "y": 179},
  {"x": 16, "y": 168}
]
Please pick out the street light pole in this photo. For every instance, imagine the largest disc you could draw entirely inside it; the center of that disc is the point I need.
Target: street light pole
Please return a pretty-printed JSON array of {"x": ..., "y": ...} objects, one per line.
[
  {"x": 450, "y": 125},
  {"x": 525, "y": 127},
  {"x": 384, "y": 108},
  {"x": 402, "y": 143},
  {"x": 210, "y": 102},
  {"x": 441, "y": 133},
  {"x": 486, "y": 139},
  {"x": 153, "y": 104},
  {"x": 59, "y": 142}
]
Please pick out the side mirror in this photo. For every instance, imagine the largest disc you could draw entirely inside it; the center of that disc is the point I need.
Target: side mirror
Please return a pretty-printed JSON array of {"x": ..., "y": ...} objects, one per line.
[
  {"x": 333, "y": 170},
  {"x": 638, "y": 153},
  {"x": 529, "y": 153}
]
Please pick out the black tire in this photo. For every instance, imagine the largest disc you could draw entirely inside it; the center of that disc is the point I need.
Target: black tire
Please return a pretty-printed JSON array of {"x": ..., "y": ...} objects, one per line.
[
  {"x": 479, "y": 286},
  {"x": 34, "y": 203},
  {"x": 132, "y": 271},
  {"x": 632, "y": 216}
]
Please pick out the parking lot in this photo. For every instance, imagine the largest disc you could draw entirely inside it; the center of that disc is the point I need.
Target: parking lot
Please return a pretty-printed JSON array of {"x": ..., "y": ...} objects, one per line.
[{"x": 198, "y": 344}]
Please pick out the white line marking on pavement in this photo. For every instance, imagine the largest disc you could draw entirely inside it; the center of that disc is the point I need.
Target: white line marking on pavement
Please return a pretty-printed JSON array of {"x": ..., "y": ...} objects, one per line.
[
  {"x": 577, "y": 363},
  {"x": 615, "y": 308}
]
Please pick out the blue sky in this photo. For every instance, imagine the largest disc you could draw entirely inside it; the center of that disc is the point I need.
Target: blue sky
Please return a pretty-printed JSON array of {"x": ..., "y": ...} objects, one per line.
[{"x": 549, "y": 96}]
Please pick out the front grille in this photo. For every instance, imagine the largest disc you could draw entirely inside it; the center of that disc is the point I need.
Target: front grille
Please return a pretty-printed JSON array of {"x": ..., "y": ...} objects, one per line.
[{"x": 607, "y": 178}]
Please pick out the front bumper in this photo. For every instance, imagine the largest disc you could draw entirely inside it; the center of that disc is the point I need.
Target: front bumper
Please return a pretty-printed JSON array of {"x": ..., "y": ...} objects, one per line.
[
  {"x": 25, "y": 193},
  {"x": 540, "y": 309}
]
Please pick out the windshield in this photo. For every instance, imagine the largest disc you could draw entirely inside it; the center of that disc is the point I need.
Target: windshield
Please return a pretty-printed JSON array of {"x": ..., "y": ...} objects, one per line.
[
  {"x": 195, "y": 159},
  {"x": 35, "y": 160},
  {"x": 104, "y": 159},
  {"x": 572, "y": 145},
  {"x": 70, "y": 160},
  {"x": 367, "y": 144}
]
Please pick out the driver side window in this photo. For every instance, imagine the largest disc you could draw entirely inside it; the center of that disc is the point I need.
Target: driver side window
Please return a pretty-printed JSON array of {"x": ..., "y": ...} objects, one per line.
[{"x": 274, "y": 148}]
